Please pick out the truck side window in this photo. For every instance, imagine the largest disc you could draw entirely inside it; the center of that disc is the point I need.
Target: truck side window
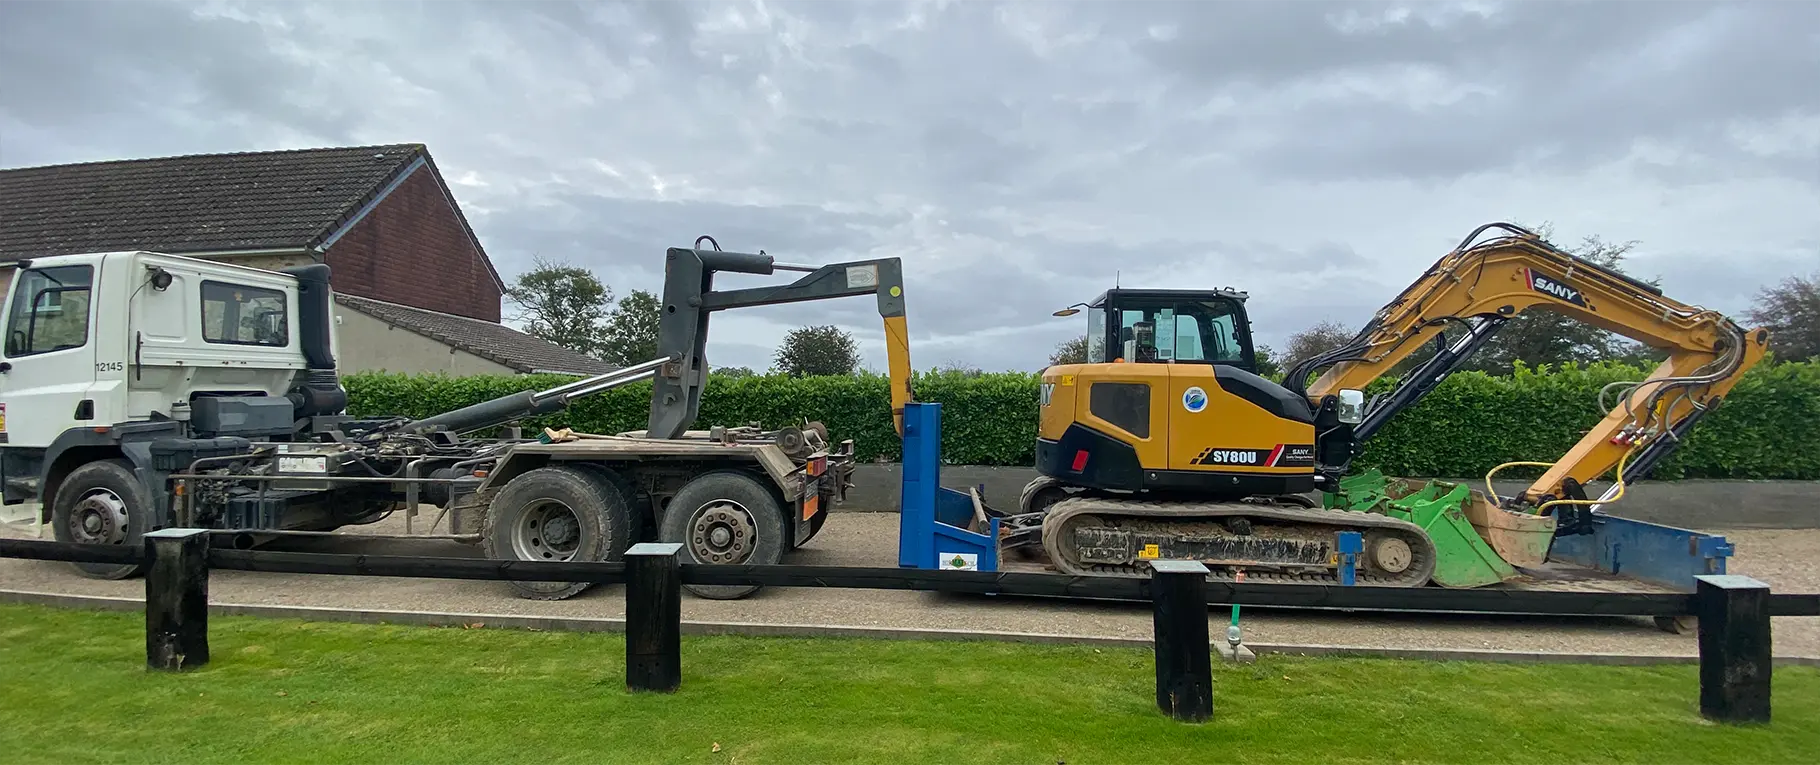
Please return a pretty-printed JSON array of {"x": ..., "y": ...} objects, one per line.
[
  {"x": 236, "y": 314},
  {"x": 49, "y": 310}
]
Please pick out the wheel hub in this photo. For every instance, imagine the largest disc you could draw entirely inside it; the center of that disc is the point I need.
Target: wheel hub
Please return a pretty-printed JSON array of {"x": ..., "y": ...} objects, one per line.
[
  {"x": 1391, "y": 555},
  {"x": 98, "y": 518},
  {"x": 723, "y": 532},
  {"x": 549, "y": 531}
]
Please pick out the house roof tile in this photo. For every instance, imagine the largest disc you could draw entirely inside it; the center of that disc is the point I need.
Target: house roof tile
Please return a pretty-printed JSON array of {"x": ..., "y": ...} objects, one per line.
[
  {"x": 495, "y": 342},
  {"x": 195, "y": 203}
]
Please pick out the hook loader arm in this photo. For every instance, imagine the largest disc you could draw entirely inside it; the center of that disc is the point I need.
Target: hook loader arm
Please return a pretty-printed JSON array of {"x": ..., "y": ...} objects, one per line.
[
  {"x": 1482, "y": 286},
  {"x": 689, "y": 297}
]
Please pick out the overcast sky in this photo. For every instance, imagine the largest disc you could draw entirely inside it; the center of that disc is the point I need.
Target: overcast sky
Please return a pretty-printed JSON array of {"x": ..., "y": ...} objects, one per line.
[{"x": 1015, "y": 156}]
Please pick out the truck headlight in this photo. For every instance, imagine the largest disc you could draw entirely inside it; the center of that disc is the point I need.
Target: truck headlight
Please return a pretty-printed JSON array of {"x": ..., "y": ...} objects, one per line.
[{"x": 1352, "y": 406}]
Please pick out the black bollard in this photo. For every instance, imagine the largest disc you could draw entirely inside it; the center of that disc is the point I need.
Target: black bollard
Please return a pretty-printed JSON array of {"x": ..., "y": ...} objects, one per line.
[
  {"x": 1184, "y": 658},
  {"x": 654, "y": 617}
]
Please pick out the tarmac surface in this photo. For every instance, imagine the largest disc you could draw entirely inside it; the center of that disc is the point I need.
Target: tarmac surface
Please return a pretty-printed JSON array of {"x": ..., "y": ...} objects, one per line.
[{"x": 1785, "y": 558}]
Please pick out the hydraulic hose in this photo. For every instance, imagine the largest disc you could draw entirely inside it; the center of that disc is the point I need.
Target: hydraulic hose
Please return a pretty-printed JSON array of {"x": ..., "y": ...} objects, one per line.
[{"x": 1618, "y": 484}]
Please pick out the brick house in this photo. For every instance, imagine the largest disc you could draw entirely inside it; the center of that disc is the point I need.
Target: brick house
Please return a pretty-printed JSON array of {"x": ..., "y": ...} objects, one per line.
[{"x": 414, "y": 288}]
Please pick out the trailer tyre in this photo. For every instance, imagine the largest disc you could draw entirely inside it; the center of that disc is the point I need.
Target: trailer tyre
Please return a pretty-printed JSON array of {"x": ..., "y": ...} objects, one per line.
[
  {"x": 557, "y": 514},
  {"x": 726, "y": 517},
  {"x": 102, "y": 503}
]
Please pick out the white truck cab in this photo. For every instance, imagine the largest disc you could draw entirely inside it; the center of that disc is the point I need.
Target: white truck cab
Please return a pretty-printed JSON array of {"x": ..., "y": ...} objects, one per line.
[{"x": 108, "y": 352}]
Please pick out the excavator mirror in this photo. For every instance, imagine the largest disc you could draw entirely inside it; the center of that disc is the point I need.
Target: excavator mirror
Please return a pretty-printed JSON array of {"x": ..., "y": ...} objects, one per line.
[{"x": 1352, "y": 406}]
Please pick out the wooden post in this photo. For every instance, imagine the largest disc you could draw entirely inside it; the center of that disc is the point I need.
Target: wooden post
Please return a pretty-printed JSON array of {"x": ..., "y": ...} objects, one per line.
[
  {"x": 1184, "y": 658},
  {"x": 177, "y": 600},
  {"x": 654, "y": 617},
  {"x": 1733, "y": 613}
]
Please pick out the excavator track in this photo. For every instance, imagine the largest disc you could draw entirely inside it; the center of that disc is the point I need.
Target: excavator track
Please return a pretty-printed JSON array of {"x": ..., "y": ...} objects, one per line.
[{"x": 1097, "y": 536}]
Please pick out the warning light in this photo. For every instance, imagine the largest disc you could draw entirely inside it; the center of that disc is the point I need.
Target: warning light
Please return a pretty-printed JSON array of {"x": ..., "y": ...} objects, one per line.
[{"x": 1080, "y": 460}]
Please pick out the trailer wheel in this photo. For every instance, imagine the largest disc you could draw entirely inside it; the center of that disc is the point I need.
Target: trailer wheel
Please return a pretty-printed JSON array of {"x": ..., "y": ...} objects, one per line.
[
  {"x": 102, "y": 503},
  {"x": 726, "y": 517},
  {"x": 557, "y": 514}
]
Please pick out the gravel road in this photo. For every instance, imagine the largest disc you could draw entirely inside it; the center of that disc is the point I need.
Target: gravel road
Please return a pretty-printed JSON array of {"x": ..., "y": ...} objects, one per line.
[{"x": 1784, "y": 558}]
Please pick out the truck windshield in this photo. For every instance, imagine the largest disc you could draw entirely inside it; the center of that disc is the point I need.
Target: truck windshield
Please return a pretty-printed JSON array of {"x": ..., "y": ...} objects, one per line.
[{"x": 49, "y": 311}]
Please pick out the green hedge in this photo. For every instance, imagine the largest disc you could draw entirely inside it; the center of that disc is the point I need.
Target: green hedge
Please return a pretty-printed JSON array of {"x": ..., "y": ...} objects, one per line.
[{"x": 1769, "y": 428}]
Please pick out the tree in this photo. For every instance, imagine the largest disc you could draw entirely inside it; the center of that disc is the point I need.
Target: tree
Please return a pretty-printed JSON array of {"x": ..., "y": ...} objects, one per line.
[
  {"x": 733, "y": 373},
  {"x": 818, "y": 350},
  {"x": 1790, "y": 310},
  {"x": 1314, "y": 341},
  {"x": 1070, "y": 352},
  {"x": 958, "y": 367},
  {"x": 562, "y": 304},
  {"x": 630, "y": 334},
  {"x": 1539, "y": 336},
  {"x": 1267, "y": 360}
]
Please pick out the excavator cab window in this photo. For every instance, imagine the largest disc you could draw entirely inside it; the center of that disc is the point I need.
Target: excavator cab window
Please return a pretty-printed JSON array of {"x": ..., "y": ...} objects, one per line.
[{"x": 1165, "y": 328}]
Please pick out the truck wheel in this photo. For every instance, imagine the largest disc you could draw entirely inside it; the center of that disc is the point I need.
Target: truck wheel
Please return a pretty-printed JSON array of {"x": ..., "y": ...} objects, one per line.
[
  {"x": 725, "y": 517},
  {"x": 556, "y": 514},
  {"x": 102, "y": 503},
  {"x": 638, "y": 503}
]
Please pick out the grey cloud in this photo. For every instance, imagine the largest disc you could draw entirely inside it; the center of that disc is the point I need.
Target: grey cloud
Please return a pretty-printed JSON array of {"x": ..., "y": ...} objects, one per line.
[
  {"x": 1544, "y": 86},
  {"x": 1016, "y": 156},
  {"x": 152, "y": 61}
]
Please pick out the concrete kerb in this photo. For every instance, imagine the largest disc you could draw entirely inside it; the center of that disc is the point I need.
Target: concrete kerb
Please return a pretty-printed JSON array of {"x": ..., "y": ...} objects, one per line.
[{"x": 753, "y": 629}]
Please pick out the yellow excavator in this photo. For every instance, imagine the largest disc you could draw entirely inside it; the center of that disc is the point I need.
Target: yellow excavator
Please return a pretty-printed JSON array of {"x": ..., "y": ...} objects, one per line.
[{"x": 1168, "y": 444}]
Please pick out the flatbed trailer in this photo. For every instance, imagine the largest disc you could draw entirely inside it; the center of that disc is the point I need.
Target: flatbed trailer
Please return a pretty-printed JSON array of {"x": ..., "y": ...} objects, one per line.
[{"x": 957, "y": 529}]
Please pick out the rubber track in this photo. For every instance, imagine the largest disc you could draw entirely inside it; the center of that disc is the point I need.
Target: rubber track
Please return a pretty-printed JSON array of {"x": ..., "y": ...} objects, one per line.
[{"x": 1422, "y": 550}]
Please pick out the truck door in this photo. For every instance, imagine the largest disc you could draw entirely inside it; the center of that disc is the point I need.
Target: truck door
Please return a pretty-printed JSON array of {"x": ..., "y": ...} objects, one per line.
[{"x": 47, "y": 363}]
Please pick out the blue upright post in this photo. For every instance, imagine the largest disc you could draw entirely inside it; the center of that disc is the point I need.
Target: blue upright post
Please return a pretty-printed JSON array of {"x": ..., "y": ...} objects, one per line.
[
  {"x": 1351, "y": 544},
  {"x": 936, "y": 526},
  {"x": 922, "y": 472}
]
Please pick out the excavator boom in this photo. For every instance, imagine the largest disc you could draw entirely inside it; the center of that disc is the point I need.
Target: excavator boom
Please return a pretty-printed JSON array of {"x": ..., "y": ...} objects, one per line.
[{"x": 1481, "y": 285}]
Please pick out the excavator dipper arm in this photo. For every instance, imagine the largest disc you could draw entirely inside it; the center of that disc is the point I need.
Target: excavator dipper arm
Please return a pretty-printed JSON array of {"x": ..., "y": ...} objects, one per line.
[
  {"x": 689, "y": 297},
  {"x": 1480, "y": 286}
]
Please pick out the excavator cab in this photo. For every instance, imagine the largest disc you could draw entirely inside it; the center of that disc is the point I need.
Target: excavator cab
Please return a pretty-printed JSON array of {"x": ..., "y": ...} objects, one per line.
[
  {"x": 1148, "y": 326},
  {"x": 1169, "y": 402}
]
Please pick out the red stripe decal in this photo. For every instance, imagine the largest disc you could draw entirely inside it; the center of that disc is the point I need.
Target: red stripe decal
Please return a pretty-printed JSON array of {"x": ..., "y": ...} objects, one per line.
[{"x": 1274, "y": 454}]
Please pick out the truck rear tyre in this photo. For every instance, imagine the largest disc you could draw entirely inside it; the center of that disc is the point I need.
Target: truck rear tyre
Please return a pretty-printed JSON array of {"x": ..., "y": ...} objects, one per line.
[
  {"x": 102, "y": 503},
  {"x": 725, "y": 517},
  {"x": 565, "y": 514},
  {"x": 638, "y": 503}
]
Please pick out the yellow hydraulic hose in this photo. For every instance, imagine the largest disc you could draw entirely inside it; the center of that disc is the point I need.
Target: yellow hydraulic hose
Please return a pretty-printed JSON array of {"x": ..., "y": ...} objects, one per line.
[
  {"x": 1493, "y": 494},
  {"x": 1619, "y": 483}
]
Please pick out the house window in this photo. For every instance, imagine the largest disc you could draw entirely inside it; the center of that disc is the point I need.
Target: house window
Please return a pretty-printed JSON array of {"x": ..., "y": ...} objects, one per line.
[
  {"x": 49, "y": 311},
  {"x": 236, "y": 314}
]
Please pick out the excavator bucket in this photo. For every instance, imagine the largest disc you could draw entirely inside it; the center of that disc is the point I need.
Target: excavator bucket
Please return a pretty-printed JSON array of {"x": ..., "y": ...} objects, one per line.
[{"x": 1462, "y": 557}]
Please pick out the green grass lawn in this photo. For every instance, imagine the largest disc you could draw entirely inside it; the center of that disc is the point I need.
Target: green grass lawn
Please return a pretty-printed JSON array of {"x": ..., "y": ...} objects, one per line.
[{"x": 73, "y": 688}]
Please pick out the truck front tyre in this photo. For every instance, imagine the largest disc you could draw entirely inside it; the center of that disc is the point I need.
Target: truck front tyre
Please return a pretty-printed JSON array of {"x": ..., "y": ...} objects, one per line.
[
  {"x": 562, "y": 514},
  {"x": 102, "y": 503},
  {"x": 725, "y": 517}
]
